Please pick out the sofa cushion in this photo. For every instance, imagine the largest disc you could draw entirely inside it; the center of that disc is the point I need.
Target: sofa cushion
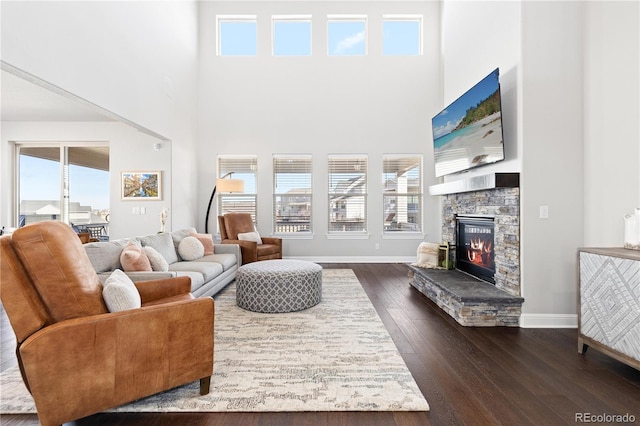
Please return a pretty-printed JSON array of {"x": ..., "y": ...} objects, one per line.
[
  {"x": 197, "y": 280},
  {"x": 133, "y": 258},
  {"x": 206, "y": 240},
  {"x": 158, "y": 262},
  {"x": 105, "y": 255},
  {"x": 163, "y": 243},
  {"x": 227, "y": 260},
  {"x": 209, "y": 270},
  {"x": 190, "y": 248},
  {"x": 119, "y": 292}
]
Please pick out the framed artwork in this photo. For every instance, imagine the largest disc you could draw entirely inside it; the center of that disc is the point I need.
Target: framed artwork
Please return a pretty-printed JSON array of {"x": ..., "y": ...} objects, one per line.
[{"x": 141, "y": 186}]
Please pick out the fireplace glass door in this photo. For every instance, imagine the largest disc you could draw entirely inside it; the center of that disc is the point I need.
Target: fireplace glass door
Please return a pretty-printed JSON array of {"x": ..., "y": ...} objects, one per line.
[{"x": 475, "y": 247}]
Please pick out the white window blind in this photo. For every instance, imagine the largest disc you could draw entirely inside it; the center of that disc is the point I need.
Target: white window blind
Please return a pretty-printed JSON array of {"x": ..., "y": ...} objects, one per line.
[
  {"x": 246, "y": 169},
  {"x": 292, "y": 197},
  {"x": 402, "y": 193},
  {"x": 347, "y": 193}
]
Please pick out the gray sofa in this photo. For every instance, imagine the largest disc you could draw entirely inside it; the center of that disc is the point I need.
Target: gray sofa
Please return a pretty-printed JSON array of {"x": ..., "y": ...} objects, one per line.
[{"x": 209, "y": 274}]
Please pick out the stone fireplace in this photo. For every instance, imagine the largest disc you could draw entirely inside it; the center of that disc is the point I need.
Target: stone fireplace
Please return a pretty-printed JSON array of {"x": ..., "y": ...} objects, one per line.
[{"x": 481, "y": 224}]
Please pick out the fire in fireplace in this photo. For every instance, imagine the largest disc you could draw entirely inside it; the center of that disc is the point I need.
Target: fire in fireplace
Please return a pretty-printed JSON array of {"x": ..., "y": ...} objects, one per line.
[{"x": 475, "y": 246}]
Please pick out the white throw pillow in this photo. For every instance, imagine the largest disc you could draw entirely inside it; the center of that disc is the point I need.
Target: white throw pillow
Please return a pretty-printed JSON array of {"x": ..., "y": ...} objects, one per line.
[
  {"x": 119, "y": 292},
  {"x": 427, "y": 255},
  {"x": 250, "y": 236},
  {"x": 190, "y": 248},
  {"x": 158, "y": 262}
]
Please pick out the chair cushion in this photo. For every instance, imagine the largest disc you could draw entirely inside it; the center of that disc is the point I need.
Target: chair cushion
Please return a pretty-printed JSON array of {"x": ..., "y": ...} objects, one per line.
[
  {"x": 60, "y": 270},
  {"x": 163, "y": 243},
  {"x": 237, "y": 223},
  {"x": 133, "y": 258},
  {"x": 119, "y": 292}
]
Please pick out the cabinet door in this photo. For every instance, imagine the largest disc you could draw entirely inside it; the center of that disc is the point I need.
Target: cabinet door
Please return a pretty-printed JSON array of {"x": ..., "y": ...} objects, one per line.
[{"x": 610, "y": 302}]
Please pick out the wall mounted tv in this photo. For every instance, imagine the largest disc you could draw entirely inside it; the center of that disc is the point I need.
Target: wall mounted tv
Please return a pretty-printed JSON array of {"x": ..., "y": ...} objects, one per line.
[{"x": 468, "y": 133}]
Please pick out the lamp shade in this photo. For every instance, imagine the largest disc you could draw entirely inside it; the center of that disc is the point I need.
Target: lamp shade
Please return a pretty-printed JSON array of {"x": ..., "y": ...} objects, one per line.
[{"x": 230, "y": 185}]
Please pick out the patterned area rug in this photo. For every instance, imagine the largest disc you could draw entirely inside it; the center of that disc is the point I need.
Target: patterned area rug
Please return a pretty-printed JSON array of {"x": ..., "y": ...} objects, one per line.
[{"x": 335, "y": 356}]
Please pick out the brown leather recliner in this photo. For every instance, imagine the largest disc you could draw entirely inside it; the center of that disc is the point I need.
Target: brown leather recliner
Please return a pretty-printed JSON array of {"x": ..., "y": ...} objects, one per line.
[
  {"x": 75, "y": 357},
  {"x": 232, "y": 224}
]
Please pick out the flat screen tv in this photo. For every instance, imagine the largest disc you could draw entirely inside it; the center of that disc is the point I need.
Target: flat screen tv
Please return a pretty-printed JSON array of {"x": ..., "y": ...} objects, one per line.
[{"x": 468, "y": 133}]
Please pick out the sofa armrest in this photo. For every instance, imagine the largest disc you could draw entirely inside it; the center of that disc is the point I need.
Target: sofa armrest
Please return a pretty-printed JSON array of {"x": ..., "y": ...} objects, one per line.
[
  {"x": 151, "y": 290},
  {"x": 106, "y": 360},
  {"x": 249, "y": 250}
]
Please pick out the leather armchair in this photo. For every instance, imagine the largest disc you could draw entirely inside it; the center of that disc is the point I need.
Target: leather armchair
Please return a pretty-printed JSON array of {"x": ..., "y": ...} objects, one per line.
[
  {"x": 232, "y": 224},
  {"x": 75, "y": 357}
]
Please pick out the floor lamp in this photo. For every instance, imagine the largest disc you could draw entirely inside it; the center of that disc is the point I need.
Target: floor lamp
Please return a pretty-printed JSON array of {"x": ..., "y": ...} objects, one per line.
[{"x": 223, "y": 185}]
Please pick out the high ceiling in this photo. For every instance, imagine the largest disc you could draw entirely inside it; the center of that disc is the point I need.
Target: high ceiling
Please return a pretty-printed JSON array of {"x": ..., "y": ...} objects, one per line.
[{"x": 22, "y": 100}]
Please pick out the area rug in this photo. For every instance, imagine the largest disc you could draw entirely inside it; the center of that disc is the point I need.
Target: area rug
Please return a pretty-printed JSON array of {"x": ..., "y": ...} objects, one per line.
[{"x": 335, "y": 356}]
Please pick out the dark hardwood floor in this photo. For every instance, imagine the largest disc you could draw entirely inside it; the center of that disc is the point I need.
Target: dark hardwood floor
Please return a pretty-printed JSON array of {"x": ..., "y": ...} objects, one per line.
[{"x": 469, "y": 376}]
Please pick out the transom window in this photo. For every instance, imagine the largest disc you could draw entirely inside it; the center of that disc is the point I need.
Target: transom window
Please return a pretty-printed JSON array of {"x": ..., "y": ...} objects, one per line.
[
  {"x": 237, "y": 35},
  {"x": 347, "y": 35},
  {"x": 246, "y": 169},
  {"x": 292, "y": 196},
  {"x": 402, "y": 35},
  {"x": 402, "y": 193},
  {"x": 347, "y": 194},
  {"x": 291, "y": 35}
]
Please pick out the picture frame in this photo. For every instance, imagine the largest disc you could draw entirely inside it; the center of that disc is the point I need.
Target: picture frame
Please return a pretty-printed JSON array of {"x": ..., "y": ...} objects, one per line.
[{"x": 141, "y": 185}]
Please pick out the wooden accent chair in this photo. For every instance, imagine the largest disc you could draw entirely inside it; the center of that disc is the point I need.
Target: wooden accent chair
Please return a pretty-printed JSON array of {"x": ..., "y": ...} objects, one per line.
[
  {"x": 75, "y": 357},
  {"x": 232, "y": 224}
]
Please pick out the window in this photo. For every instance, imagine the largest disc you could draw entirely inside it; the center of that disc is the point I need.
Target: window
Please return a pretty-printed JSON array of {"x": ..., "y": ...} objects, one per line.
[
  {"x": 65, "y": 183},
  {"x": 347, "y": 193},
  {"x": 246, "y": 169},
  {"x": 402, "y": 193},
  {"x": 237, "y": 35},
  {"x": 347, "y": 35},
  {"x": 402, "y": 35},
  {"x": 291, "y": 35},
  {"x": 292, "y": 194}
]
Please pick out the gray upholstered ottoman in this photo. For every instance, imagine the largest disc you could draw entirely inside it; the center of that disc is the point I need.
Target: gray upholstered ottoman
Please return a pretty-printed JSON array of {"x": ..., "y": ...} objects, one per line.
[{"x": 279, "y": 285}]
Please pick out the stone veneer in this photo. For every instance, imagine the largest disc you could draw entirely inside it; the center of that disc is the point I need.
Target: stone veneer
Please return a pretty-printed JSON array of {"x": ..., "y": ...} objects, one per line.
[{"x": 503, "y": 204}]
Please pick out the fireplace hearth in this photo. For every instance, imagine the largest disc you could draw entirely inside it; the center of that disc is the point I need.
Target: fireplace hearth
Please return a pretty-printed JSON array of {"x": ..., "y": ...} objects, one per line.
[{"x": 475, "y": 246}]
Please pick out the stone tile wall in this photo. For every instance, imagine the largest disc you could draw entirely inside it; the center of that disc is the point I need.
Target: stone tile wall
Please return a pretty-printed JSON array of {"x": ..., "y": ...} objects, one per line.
[{"x": 503, "y": 204}]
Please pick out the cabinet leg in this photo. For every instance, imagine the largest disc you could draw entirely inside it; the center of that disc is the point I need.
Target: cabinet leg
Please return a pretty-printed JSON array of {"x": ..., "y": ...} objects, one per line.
[{"x": 582, "y": 347}]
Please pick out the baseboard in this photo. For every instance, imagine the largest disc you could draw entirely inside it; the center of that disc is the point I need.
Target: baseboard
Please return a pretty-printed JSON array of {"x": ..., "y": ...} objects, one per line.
[
  {"x": 355, "y": 259},
  {"x": 548, "y": 321}
]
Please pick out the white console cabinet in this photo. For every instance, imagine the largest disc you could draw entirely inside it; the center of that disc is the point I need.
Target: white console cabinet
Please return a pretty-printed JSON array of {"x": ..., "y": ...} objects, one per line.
[{"x": 609, "y": 305}]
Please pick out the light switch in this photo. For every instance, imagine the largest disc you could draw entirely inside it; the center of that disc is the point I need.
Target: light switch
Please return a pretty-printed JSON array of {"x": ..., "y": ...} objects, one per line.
[
  {"x": 143, "y": 210},
  {"x": 544, "y": 212},
  {"x": 135, "y": 210}
]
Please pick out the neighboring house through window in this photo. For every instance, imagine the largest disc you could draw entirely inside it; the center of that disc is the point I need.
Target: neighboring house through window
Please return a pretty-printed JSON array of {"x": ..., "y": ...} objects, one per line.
[
  {"x": 402, "y": 193},
  {"x": 347, "y": 194},
  {"x": 292, "y": 198}
]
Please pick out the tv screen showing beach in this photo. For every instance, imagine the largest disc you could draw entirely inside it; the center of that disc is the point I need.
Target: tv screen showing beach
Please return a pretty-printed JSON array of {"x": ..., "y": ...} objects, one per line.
[{"x": 468, "y": 133}]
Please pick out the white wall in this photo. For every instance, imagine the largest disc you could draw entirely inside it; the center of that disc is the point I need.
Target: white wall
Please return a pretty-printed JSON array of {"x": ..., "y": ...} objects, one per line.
[
  {"x": 129, "y": 150},
  {"x": 320, "y": 105},
  {"x": 612, "y": 127},
  {"x": 572, "y": 78},
  {"x": 134, "y": 59}
]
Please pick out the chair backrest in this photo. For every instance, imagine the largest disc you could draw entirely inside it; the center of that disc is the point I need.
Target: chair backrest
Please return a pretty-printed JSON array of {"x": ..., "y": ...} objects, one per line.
[
  {"x": 47, "y": 277},
  {"x": 234, "y": 224}
]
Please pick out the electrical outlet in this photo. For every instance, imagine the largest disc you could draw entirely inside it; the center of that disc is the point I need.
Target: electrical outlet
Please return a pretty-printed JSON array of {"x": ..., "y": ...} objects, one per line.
[
  {"x": 377, "y": 246},
  {"x": 544, "y": 212}
]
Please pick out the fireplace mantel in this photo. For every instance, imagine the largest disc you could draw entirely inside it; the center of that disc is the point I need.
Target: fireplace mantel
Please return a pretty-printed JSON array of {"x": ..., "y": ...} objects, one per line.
[{"x": 477, "y": 183}]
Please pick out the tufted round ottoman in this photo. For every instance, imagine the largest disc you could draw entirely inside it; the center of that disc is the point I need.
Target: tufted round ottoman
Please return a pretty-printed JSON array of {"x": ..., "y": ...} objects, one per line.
[{"x": 279, "y": 285}]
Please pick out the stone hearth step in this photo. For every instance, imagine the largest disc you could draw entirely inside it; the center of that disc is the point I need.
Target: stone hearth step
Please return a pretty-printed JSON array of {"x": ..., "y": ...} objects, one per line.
[{"x": 470, "y": 301}]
